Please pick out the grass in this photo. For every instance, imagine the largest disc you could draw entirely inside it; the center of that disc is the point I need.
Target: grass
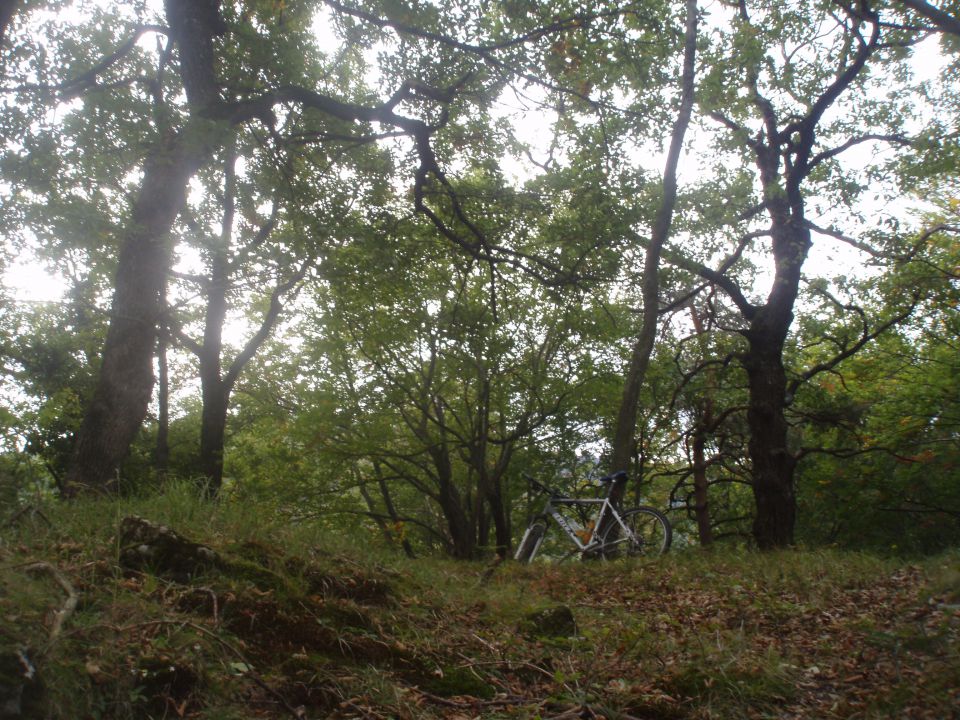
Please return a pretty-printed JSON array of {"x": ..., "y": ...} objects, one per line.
[{"x": 298, "y": 620}]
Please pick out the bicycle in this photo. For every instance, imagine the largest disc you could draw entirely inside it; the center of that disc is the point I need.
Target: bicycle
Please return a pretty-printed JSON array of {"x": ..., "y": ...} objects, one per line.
[{"x": 612, "y": 534}]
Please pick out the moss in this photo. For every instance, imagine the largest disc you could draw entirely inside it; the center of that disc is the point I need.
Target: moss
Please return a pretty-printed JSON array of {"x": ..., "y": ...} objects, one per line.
[
  {"x": 720, "y": 686},
  {"x": 456, "y": 681}
]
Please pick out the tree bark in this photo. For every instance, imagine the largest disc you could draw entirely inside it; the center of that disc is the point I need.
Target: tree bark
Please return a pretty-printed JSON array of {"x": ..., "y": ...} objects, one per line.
[
  {"x": 162, "y": 449},
  {"x": 704, "y": 424},
  {"x": 701, "y": 500},
  {"x": 125, "y": 383},
  {"x": 770, "y": 456},
  {"x": 213, "y": 421}
]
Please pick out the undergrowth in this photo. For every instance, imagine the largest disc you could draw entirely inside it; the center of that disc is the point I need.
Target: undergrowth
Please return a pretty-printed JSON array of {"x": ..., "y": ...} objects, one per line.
[{"x": 298, "y": 621}]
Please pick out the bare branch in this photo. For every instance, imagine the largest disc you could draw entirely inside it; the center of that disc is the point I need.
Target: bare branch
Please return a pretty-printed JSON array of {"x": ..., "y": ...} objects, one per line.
[
  {"x": 266, "y": 325},
  {"x": 894, "y": 139}
]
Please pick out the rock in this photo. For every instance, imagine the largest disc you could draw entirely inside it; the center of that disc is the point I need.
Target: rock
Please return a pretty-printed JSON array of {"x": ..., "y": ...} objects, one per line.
[
  {"x": 555, "y": 621},
  {"x": 148, "y": 546}
]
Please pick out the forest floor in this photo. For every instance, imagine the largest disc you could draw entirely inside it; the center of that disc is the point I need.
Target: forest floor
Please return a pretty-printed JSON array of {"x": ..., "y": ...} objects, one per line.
[{"x": 290, "y": 623}]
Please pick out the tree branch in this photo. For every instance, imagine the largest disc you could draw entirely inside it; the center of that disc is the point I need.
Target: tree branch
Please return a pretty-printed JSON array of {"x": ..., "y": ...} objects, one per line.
[{"x": 943, "y": 21}]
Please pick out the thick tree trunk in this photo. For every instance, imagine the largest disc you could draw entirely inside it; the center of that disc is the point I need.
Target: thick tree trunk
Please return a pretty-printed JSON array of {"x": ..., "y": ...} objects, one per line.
[
  {"x": 462, "y": 532},
  {"x": 125, "y": 384},
  {"x": 213, "y": 428},
  {"x": 462, "y": 537},
  {"x": 772, "y": 462}
]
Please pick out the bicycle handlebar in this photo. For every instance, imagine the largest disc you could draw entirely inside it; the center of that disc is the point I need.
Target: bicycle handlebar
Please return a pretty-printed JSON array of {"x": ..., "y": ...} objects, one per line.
[{"x": 540, "y": 487}]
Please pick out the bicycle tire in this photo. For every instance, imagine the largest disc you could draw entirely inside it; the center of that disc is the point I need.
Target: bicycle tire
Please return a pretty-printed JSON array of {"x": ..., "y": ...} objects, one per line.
[
  {"x": 650, "y": 530},
  {"x": 531, "y": 542}
]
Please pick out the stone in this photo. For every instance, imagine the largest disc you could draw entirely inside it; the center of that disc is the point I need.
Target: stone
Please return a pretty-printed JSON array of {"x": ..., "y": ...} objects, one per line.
[{"x": 557, "y": 621}]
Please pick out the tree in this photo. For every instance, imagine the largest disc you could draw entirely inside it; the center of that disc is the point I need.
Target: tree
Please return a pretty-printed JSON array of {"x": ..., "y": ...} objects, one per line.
[
  {"x": 439, "y": 381},
  {"x": 123, "y": 391},
  {"x": 623, "y": 439},
  {"x": 124, "y": 387},
  {"x": 784, "y": 144}
]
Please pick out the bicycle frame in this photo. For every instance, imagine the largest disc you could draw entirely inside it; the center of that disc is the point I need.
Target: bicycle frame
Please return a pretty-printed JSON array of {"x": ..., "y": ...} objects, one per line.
[{"x": 594, "y": 541}]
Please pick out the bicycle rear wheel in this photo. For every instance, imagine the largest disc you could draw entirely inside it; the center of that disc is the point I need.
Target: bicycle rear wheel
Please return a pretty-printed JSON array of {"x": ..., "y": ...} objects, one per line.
[
  {"x": 531, "y": 542},
  {"x": 647, "y": 533}
]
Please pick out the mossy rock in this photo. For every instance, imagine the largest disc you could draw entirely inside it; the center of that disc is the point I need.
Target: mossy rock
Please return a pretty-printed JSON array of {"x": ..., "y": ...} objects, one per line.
[
  {"x": 150, "y": 546},
  {"x": 551, "y": 622}
]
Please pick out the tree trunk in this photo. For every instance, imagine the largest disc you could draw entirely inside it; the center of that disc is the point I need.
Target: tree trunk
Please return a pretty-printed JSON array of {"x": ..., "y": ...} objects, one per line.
[
  {"x": 391, "y": 508},
  {"x": 701, "y": 505},
  {"x": 772, "y": 462},
  {"x": 463, "y": 541},
  {"x": 623, "y": 439},
  {"x": 704, "y": 425},
  {"x": 162, "y": 449},
  {"x": 213, "y": 427},
  {"x": 482, "y": 520},
  {"x": 213, "y": 391},
  {"x": 376, "y": 516},
  {"x": 125, "y": 383},
  {"x": 498, "y": 514},
  {"x": 462, "y": 533}
]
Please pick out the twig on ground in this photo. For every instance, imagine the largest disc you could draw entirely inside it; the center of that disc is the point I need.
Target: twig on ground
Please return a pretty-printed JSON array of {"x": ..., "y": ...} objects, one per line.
[
  {"x": 365, "y": 711},
  {"x": 475, "y": 702},
  {"x": 61, "y": 616},
  {"x": 33, "y": 511},
  {"x": 585, "y": 712}
]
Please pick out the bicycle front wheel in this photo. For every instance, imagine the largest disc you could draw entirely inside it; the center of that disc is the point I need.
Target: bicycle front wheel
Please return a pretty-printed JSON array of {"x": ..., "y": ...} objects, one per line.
[
  {"x": 645, "y": 532},
  {"x": 531, "y": 542}
]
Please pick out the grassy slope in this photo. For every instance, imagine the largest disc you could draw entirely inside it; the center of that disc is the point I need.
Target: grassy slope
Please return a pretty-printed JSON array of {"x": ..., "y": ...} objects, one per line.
[{"x": 306, "y": 626}]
